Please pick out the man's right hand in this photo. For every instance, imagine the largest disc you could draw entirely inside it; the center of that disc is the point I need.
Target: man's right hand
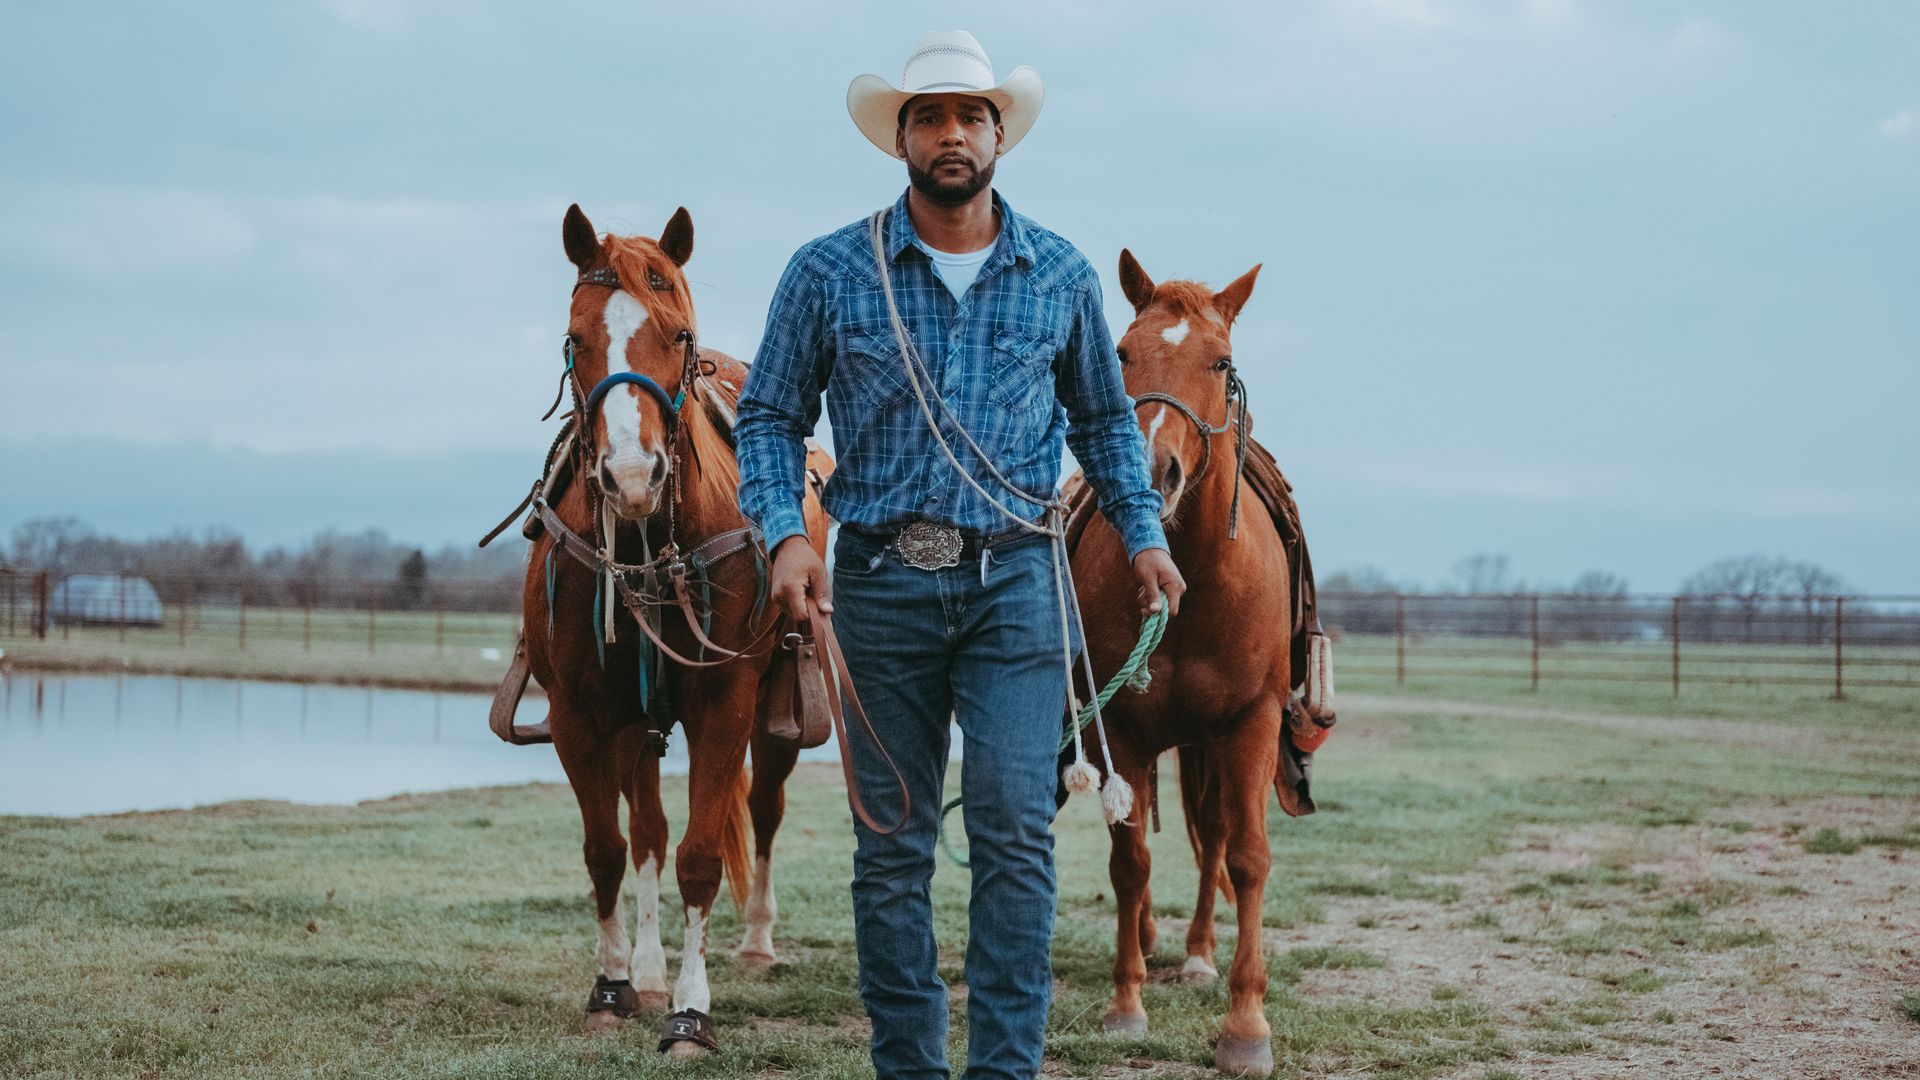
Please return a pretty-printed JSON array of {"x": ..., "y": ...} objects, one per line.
[{"x": 797, "y": 571}]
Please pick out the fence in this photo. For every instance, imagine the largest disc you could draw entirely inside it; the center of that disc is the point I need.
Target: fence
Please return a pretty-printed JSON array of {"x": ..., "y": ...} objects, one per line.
[
  {"x": 1834, "y": 642},
  {"x": 260, "y": 613},
  {"x": 1840, "y": 642}
]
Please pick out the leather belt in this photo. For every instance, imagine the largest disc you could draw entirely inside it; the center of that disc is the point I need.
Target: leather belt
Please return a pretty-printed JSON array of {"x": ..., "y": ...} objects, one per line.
[{"x": 930, "y": 545}]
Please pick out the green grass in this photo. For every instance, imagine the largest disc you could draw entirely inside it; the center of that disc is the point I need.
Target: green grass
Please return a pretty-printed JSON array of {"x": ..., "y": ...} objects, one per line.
[
  {"x": 451, "y": 935},
  {"x": 401, "y": 648},
  {"x": 1830, "y": 842}
]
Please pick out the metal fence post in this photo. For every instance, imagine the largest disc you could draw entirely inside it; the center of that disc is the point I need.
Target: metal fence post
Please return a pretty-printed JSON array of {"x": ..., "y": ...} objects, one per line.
[
  {"x": 306, "y": 624},
  {"x": 370, "y": 629},
  {"x": 122, "y": 579},
  {"x": 1674, "y": 633},
  {"x": 243, "y": 617},
  {"x": 1839, "y": 647},
  {"x": 186, "y": 613},
  {"x": 1536, "y": 643},
  {"x": 1399, "y": 640},
  {"x": 439, "y": 629},
  {"x": 42, "y": 604}
]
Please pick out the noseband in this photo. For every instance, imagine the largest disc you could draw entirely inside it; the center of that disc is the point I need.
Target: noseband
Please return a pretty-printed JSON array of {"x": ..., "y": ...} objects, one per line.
[{"x": 1236, "y": 422}]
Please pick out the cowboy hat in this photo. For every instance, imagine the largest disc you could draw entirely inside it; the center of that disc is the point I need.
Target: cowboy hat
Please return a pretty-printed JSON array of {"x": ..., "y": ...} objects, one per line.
[{"x": 945, "y": 62}]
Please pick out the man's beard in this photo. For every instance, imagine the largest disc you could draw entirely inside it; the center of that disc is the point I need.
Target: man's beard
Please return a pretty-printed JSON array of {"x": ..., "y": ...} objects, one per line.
[{"x": 950, "y": 194}]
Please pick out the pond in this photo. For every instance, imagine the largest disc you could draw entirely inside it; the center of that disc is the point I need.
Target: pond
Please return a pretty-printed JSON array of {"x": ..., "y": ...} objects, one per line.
[{"x": 98, "y": 744}]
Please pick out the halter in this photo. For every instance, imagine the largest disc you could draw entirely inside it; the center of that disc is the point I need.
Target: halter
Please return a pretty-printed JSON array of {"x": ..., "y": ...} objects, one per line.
[{"x": 1236, "y": 422}]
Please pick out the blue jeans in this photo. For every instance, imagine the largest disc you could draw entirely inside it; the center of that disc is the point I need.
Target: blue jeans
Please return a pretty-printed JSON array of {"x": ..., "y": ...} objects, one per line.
[{"x": 980, "y": 644}]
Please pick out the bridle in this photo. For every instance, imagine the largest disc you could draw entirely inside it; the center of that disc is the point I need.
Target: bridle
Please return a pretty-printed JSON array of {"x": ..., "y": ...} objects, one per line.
[{"x": 1235, "y": 422}]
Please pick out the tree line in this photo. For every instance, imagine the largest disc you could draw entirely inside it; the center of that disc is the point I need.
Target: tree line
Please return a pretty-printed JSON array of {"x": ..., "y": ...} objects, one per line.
[
  {"x": 331, "y": 568},
  {"x": 1760, "y": 599}
]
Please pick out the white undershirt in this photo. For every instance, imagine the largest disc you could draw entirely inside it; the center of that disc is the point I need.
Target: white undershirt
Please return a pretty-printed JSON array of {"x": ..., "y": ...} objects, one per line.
[{"x": 959, "y": 269}]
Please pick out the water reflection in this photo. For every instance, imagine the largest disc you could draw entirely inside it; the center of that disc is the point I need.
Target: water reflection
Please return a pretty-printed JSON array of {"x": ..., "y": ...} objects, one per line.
[{"x": 89, "y": 744}]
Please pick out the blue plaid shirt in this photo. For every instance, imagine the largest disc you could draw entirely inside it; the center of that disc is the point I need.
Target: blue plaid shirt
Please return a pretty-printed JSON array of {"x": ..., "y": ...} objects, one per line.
[{"x": 1031, "y": 323}]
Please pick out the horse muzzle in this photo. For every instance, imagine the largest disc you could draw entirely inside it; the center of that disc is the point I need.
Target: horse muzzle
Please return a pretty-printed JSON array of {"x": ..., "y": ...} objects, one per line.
[{"x": 634, "y": 483}]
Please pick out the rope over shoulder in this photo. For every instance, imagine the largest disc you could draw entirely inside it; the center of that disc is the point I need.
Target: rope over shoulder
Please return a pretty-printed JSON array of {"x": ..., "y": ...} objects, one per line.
[{"x": 1116, "y": 796}]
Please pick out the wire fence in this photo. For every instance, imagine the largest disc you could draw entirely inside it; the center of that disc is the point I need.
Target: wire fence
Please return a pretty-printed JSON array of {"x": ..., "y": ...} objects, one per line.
[
  {"x": 402, "y": 633},
  {"x": 1836, "y": 642}
]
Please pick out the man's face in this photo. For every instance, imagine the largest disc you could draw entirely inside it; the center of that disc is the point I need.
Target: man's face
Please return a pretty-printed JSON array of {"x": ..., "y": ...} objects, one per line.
[{"x": 950, "y": 142}]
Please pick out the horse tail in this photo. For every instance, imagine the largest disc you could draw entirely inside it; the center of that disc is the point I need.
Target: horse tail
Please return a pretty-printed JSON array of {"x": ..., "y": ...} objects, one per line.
[
  {"x": 735, "y": 861},
  {"x": 1196, "y": 778}
]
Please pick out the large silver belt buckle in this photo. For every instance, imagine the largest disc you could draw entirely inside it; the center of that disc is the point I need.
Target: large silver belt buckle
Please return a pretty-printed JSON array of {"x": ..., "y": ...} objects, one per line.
[{"x": 929, "y": 546}]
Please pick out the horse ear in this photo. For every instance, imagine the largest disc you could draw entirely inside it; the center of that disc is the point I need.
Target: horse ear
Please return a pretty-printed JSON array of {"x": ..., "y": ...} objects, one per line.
[
  {"x": 1230, "y": 300},
  {"x": 1134, "y": 282},
  {"x": 676, "y": 240},
  {"x": 576, "y": 232}
]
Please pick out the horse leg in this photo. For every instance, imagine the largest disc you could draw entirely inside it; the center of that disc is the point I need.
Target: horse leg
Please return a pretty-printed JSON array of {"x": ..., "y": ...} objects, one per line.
[
  {"x": 715, "y": 820},
  {"x": 647, "y": 833},
  {"x": 1206, "y": 828},
  {"x": 1129, "y": 864},
  {"x": 767, "y": 802},
  {"x": 591, "y": 771},
  {"x": 1246, "y": 1040}
]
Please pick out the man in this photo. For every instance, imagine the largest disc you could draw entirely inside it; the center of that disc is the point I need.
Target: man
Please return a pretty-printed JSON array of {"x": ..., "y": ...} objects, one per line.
[{"x": 948, "y": 606}]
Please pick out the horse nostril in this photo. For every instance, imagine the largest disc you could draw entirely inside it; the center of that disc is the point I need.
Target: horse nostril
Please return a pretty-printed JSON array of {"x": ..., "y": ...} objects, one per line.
[
  {"x": 659, "y": 472},
  {"x": 606, "y": 478}
]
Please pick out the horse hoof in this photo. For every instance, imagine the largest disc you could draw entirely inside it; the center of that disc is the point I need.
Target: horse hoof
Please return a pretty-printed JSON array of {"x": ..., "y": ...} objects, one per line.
[
  {"x": 1119, "y": 1023},
  {"x": 1196, "y": 970},
  {"x": 754, "y": 959},
  {"x": 653, "y": 1000},
  {"x": 599, "y": 1023},
  {"x": 682, "y": 1051},
  {"x": 1243, "y": 1057}
]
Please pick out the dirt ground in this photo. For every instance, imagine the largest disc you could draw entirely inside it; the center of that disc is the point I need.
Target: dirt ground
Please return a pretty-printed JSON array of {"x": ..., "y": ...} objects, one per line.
[{"x": 1821, "y": 998}]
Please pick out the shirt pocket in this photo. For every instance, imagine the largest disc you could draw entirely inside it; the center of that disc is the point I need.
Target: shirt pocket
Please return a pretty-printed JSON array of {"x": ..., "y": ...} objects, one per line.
[
  {"x": 1022, "y": 370},
  {"x": 871, "y": 363}
]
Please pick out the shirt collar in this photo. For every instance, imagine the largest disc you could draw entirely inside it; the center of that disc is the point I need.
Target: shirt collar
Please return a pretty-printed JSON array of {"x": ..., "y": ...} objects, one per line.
[{"x": 1012, "y": 243}]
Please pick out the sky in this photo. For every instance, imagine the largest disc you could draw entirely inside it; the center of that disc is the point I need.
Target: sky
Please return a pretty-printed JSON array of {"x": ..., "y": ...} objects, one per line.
[{"x": 1623, "y": 286}]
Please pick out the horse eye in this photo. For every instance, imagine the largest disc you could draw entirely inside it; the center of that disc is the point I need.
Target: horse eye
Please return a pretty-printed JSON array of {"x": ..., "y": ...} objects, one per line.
[
  {"x": 1123, "y": 355},
  {"x": 1223, "y": 363}
]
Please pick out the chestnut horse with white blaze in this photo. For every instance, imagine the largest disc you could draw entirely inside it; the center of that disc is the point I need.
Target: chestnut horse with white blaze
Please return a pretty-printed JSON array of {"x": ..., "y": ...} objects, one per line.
[
  {"x": 654, "y": 470},
  {"x": 1220, "y": 678}
]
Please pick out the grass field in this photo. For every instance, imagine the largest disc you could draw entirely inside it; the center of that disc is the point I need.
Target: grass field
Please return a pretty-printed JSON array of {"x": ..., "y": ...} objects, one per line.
[
  {"x": 421, "y": 649},
  {"x": 1574, "y": 883}
]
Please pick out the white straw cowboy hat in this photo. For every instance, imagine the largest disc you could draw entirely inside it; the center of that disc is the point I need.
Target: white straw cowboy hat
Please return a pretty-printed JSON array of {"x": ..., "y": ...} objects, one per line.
[{"x": 945, "y": 62}]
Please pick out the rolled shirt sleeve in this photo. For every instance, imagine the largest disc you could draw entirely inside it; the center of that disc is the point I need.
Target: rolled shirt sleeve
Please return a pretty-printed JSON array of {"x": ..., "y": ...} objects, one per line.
[
  {"x": 780, "y": 404},
  {"x": 1104, "y": 433}
]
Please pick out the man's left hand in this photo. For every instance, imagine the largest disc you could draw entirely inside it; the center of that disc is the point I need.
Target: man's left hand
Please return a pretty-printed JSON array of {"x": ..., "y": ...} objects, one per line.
[{"x": 1154, "y": 567}]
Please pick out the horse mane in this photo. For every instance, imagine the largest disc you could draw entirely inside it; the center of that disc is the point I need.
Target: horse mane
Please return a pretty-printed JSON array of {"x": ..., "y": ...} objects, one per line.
[
  {"x": 636, "y": 259},
  {"x": 716, "y": 470}
]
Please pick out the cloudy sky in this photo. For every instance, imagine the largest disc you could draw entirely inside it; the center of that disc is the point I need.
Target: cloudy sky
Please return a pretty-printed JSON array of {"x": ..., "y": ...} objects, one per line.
[{"x": 1599, "y": 285}]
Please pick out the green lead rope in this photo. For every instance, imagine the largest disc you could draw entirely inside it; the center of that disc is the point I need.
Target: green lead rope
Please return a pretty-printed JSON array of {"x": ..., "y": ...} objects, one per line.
[{"x": 1133, "y": 674}]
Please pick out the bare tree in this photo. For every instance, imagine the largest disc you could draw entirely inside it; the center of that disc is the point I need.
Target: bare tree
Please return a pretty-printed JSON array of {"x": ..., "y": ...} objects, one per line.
[
  {"x": 1484, "y": 572},
  {"x": 1599, "y": 585}
]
